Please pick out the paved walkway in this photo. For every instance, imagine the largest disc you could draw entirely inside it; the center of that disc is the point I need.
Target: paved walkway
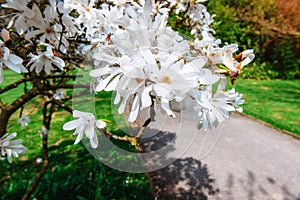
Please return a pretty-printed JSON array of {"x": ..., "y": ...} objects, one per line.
[{"x": 250, "y": 161}]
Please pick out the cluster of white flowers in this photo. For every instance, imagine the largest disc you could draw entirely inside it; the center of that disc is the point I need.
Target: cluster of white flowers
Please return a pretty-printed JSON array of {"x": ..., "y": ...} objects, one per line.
[
  {"x": 11, "y": 148},
  {"x": 136, "y": 54},
  {"x": 147, "y": 62}
]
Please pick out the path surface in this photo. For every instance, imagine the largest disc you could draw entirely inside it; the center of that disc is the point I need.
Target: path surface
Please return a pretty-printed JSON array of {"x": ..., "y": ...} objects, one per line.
[{"x": 250, "y": 161}]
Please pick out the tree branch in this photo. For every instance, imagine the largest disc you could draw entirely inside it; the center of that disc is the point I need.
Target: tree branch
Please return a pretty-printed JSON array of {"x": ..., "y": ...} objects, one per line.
[
  {"x": 1, "y": 105},
  {"x": 38, "y": 178},
  {"x": 19, "y": 82},
  {"x": 22, "y": 100},
  {"x": 133, "y": 140},
  {"x": 63, "y": 106},
  {"x": 46, "y": 124}
]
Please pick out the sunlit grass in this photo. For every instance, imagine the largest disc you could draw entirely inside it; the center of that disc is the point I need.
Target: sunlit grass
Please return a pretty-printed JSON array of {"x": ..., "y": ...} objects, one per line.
[{"x": 276, "y": 102}]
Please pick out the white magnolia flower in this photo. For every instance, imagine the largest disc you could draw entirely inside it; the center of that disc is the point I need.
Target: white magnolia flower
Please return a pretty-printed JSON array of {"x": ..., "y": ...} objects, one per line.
[
  {"x": 39, "y": 160},
  {"x": 21, "y": 16},
  {"x": 233, "y": 64},
  {"x": 11, "y": 61},
  {"x": 45, "y": 60},
  {"x": 217, "y": 107},
  {"x": 24, "y": 120},
  {"x": 45, "y": 27},
  {"x": 196, "y": 75},
  {"x": 235, "y": 99},
  {"x": 59, "y": 94},
  {"x": 44, "y": 131},
  {"x": 86, "y": 123},
  {"x": 11, "y": 148}
]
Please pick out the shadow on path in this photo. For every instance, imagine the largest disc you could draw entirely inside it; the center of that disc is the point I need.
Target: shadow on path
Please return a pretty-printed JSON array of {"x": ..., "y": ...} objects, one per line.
[
  {"x": 185, "y": 178},
  {"x": 249, "y": 188}
]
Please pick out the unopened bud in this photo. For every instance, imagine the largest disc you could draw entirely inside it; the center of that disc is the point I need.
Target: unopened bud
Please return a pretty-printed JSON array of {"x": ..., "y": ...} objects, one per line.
[{"x": 5, "y": 35}]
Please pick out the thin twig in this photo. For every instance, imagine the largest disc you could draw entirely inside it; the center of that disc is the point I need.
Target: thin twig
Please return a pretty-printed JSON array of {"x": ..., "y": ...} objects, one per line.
[
  {"x": 63, "y": 106},
  {"x": 133, "y": 140}
]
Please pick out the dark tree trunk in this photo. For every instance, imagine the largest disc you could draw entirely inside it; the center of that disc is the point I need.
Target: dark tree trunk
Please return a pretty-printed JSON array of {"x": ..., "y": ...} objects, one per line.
[{"x": 4, "y": 117}]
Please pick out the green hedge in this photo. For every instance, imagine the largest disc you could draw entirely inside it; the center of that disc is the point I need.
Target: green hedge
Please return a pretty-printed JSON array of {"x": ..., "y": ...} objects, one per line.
[{"x": 277, "y": 56}]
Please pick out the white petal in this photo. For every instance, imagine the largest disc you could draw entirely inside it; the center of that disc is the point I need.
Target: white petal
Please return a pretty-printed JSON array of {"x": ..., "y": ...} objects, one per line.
[
  {"x": 94, "y": 141},
  {"x": 11, "y": 136},
  {"x": 71, "y": 125},
  {"x": 100, "y": 124},
  {"x": 15, "y": 59},
  {"x": 135, "y": 109},
  {"x": 166, "y": 106},
  {"x": 117, "y": 98},
  {"x": 59, "y": 63},
  {"x": 145, "y": 97},
  {"x": 113, "y": 84},
  {"x": 11, "y": 66},
  {"x": 122, "y": 106},
  {"x": 32, "y": 34},
  {"x": 79, "y": 137},
  {"x": 100, "y": 72},
  {"x": 8, "y": 152},
  {"x": 48, "y": 67},
  {"x": 104, "y": 83},
  {"x": 77, "y": 113},
  {"x": 239, "y": 109},
  {"x": 90, "y": 131}
]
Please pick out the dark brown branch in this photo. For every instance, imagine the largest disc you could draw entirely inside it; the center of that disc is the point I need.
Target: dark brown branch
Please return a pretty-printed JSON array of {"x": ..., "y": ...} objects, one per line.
[
  {"x": 7, "y": 111},
  {"x": 22, "y": 100},
  {"x": 38, "y": 178},
  {"x": 46, "y": 124},
  {"x": 19, "y": 82},
  {"x": 1, "y": 105},
  {"x": 67, "y": 86},
  {"x": 63, "y": 106}
]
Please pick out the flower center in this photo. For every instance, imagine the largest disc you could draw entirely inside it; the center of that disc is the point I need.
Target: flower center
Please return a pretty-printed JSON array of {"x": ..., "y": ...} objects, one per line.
[
  {"x": 166, "y": 79},
  {"x": 49, "y": 30}
]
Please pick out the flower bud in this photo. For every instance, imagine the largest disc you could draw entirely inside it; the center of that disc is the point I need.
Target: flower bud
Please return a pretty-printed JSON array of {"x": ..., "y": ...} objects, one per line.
[{"x": 5, "y": 35}]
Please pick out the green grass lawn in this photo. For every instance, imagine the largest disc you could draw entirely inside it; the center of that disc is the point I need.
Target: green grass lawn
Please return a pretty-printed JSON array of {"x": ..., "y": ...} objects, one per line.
[
  {"x": 73, "y": 173},
  {"x": 276, "y": 102}
]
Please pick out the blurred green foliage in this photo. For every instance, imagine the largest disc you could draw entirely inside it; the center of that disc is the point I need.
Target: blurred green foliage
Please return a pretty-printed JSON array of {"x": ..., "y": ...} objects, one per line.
[{"x": 266, "y": 26}]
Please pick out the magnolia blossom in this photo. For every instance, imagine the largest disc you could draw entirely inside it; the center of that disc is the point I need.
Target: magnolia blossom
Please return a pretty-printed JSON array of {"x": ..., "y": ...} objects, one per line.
[
  {"x": 11, "y": 61},
  {"x": 45, "y": 60},
  {"x": 136, "y": 54},
  {"x": 24, "y": 120},
  {"x": 38, "y": 160},
  {"x": 59, "y": 94},
  {"x": 44, "y": 131},
  {"x": 147, "y": 62},
  {"x": 86, "y": 123},
  {"x": 21, "y": 16},
  {"x": 11, "y": 148},
  {"x": 213, "y": 110}
]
